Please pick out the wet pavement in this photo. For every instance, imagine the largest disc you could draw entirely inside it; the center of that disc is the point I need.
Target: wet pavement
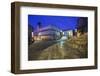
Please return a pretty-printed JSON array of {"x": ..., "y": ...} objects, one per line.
[
  {"x": 54, "y": 49},
  {"x": 39, "y": 46}
]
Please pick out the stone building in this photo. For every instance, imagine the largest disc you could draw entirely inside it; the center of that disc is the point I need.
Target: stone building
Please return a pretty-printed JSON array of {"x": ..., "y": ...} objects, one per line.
[{"x": 49, "y": 32}]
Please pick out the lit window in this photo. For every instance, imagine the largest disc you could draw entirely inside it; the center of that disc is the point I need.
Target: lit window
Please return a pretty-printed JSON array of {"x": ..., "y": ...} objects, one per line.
[{"x": 32, "y": 34}]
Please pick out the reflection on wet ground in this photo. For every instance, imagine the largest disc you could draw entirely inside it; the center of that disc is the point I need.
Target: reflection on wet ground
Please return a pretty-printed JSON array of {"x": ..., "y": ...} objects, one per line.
[
  {"x": 55, "y": 50},
  {"x": 42, "y": 47},
  {"x": 59, "y": 49}
]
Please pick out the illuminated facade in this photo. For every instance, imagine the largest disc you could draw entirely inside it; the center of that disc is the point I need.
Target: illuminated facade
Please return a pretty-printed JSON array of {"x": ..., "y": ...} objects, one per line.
[{"x": 47, "y": 33}]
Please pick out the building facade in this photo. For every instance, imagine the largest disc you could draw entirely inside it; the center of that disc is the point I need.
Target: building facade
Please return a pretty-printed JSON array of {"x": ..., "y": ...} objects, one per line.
[
  {"x": 30, "y": 30},
  {"x": 49, "y": 32}
]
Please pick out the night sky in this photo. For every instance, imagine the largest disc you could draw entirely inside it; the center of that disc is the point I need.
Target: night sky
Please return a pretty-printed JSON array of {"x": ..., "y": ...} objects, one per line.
[{"x": 62, "y": 22}]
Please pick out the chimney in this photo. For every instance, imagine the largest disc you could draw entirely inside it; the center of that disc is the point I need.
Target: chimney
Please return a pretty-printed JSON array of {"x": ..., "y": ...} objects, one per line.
[{"x": 39, "y": 25}]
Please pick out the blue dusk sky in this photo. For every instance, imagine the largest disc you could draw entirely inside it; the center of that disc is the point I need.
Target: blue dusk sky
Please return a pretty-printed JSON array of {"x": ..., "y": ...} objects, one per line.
[{"x": 62, "y": 22}]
